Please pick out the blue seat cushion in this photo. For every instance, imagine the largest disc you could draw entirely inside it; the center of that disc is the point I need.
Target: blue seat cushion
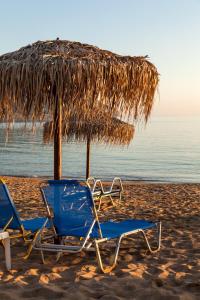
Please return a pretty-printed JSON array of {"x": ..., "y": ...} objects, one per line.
[
  {"x": 34, "y": 224},
  {"x": 109, "y": 229}
]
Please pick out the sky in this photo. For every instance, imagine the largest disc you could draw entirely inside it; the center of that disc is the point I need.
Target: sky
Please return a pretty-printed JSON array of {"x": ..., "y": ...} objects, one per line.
[{"x": 168, "y": 31}]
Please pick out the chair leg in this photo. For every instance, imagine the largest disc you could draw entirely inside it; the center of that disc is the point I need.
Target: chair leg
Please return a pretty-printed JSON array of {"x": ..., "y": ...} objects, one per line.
[
  {"x": 7, "y": 253},
  {"x": 158, "y": 238},
  {"x": 6, "y": 245},
  {"x": 37, "y": 237},
  {"x": 30, "y": 248},
  {"x": 107, "y": 269},
  {"x": 98, "y": 209},
  {"x": 111, "y": 199},
  {"x": 59, "y": 254},
  {"x": 42, "y": 256}
]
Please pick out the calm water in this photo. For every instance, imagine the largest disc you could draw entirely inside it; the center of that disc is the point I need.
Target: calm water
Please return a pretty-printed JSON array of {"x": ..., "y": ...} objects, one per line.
[{"x": 168, "y": 149}]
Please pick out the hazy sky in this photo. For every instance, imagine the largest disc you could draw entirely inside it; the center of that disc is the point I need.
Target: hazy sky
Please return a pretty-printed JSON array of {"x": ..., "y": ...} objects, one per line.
[{"x": 167, "y": 30}]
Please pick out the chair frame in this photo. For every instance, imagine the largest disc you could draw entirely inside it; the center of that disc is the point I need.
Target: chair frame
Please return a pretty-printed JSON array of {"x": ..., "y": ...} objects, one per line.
[
  {"x": 87, "y": 242},
  {"x": 23, "y": 233},
  {"x": 98, "y": 191}
]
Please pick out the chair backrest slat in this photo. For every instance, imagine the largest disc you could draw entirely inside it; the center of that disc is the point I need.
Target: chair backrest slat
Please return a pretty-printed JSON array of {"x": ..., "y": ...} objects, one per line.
[
  {"x": 8, "y": 209},
  {"x": 72, "y": 205}
]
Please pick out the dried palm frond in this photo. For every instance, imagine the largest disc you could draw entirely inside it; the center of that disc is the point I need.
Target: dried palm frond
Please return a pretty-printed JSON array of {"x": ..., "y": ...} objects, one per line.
[
  {"x": 80, "y": 77},
  {"x": 98, "y": 130}
]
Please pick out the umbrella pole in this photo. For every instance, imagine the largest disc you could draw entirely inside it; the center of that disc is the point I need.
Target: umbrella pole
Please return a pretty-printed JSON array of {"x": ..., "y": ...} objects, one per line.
[
  {"x": 88, "y": 158},
  {"x": 58, "y": 141}
]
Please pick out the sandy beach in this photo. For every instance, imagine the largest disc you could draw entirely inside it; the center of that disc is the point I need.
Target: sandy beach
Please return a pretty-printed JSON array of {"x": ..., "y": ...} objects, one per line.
[{"x": 173, "y": 273}]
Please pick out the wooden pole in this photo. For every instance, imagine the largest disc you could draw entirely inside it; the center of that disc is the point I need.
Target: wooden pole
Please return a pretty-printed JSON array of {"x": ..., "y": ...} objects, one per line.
[
  {"x": 88, "y": 158},
  {"x": 58, "y": 141}
]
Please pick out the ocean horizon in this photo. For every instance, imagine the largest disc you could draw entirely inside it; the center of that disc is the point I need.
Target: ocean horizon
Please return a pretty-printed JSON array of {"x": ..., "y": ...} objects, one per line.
[{"x": 167, "y": 149}]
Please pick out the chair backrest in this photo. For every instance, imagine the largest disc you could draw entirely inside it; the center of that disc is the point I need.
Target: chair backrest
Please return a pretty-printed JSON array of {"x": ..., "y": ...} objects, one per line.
[
  {"x": 64, "y": 182},
  {"x": 8, "y": 209},
  {"x": 72, "y": 205}
]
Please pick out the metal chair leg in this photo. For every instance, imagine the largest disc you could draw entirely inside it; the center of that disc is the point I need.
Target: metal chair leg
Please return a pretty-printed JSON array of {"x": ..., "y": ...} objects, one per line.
[
  {"x": 98, "y": 209},
  {"x": 120, "y": 196},
  {"x": 159, "y": 239},
  {"x": 111, "y": 199},
  {"x": 42, "y": 256},
  {"x": 59, "y": 254},
  {"x": 30, "y": 248},
  {"x": 107, "y": 269},
  {"x": 37, "y": 237}
]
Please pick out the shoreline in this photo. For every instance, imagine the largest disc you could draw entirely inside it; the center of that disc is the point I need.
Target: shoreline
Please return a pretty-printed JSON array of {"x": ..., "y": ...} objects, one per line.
[{"x": 126, "y": 181}]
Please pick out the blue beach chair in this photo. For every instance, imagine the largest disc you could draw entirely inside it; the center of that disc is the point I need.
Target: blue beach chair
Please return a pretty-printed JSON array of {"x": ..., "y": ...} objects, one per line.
[
  {"x": 75, "y": 215},
  {"x": 28, "y": 229}
]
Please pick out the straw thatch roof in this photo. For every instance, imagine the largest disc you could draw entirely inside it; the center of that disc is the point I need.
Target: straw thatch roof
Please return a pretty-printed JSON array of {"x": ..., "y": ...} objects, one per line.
[
  {"x": 34, "y": 78},
  {"x": 96, "y": 129}
]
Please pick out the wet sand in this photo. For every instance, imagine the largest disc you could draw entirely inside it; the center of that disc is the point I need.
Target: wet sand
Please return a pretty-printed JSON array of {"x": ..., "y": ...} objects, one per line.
[{"x": 172, "y": 273}]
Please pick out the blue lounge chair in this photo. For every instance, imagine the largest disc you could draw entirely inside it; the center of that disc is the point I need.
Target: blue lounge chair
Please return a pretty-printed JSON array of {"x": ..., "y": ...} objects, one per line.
[
  {"x": 28, "y": 229},
  {"x": 96, "y": 187},
  {"x": 75, "y": 215}
]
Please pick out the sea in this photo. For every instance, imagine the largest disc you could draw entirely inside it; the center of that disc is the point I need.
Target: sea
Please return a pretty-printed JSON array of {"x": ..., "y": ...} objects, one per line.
[{"x": 166, "y": 149}]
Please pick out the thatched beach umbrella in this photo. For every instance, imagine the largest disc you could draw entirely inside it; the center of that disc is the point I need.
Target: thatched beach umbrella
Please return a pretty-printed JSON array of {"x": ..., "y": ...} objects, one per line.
[
  {"x": 97, "y": 129},
  {"x": 58, "y": 77}
]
